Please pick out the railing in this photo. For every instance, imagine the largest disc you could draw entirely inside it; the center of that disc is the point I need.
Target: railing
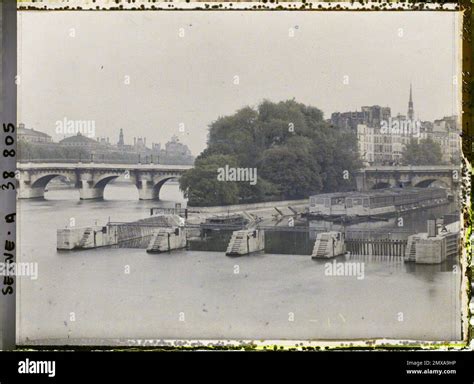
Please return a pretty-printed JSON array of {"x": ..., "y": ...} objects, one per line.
[
  {"x": 83, "y": 160},
  {"x": 139, "y": 159},
  {"x": 452, "y": 245},
  {"x": 380, "y": 247},
  {"x": 170, "y": 211}
]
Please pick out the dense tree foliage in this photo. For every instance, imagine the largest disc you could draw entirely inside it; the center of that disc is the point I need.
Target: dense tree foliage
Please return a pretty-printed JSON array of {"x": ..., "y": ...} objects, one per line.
[
  {"x": 424, "y": 152},
  {"x": 202, "y": 184},
  {"x": 295, "y": 152},
  {"x": 33, "y": 151}
]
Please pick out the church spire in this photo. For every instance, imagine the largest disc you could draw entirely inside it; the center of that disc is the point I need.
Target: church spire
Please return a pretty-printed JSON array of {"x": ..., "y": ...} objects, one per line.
[
  {"x": 120, "y": 142},
  {"x": 411, "y": 111}
]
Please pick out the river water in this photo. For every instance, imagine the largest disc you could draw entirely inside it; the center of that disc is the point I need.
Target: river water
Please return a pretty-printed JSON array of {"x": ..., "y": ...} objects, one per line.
[{"x": 111, "y": 295}]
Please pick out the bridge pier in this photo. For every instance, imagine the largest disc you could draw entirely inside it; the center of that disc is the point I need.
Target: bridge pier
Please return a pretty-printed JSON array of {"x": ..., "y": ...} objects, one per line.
[
  {"x": 91, "y": 193},
  {"x": 147, "y": 190},
  {"x": 27, "y": 192},
  {"x": 29, "y": 188},
  {"x": 87, "y": 190}
]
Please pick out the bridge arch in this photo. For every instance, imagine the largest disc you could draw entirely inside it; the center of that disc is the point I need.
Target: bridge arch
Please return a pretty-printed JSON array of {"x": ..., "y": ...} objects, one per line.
[
  {"x": 43, "y": 181},
  {"x": 432, "y": 182},
  {"x": 34, "y": 185},
  {"x": 126, "y": 186},
  {"x": 160, "y": 183},
  {"x": 150, "y": 189},
  {"x": 102, "y": 183},
  {"x": 381, "y": 184},
  {"x": 93, "y": 186}
]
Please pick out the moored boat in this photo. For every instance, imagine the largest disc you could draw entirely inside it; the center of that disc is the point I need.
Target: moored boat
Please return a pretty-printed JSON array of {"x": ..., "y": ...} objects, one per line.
[{"x": 380, "y": 202}]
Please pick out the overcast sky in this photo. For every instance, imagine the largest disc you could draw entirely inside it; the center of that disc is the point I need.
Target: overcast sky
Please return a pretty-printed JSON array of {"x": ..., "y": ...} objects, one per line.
[{"x": 190, "y": 79}]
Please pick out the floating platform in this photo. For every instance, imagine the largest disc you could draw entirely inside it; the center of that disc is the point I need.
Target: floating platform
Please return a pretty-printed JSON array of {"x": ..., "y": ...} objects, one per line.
[
  {"x": 434, "y": 246},
  {"x": 328, "y": 245},
  {"x": 137, "y": 234},
  {"x": 423, "y": 249},
  {"x": 246, "y": 241},
  {"x": 167, "y": 239},
  {"x": 86, "y": 237}
]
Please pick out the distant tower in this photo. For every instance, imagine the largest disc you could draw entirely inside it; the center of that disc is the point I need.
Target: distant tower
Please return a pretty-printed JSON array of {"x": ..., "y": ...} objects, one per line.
[
  {"x": 120, "y": 142},
  {"x": 411, "y": 111}
]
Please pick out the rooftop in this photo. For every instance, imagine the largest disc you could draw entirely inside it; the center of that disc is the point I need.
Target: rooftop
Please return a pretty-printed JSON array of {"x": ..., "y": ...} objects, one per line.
[
  {"x": 79, "y": 138},
  {"x": 31, "y": 132}
]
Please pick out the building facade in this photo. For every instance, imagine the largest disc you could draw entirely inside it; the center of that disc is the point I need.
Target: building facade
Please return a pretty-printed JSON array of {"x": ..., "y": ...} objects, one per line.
[
  {"x": 31, "y": 136},
  {"x": 80, "y": 141},
  {"x": 371, "y": 116},
  {"x": 383, "y": 139}
]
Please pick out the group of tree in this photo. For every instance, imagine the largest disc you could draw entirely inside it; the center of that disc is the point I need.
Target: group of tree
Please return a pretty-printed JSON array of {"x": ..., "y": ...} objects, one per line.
[
  {"x": 53, "y": 151},
  {"x": 33, "y": 151},
  {"x": 295, "y": 151},
  {"x": 422, "y": 152}
]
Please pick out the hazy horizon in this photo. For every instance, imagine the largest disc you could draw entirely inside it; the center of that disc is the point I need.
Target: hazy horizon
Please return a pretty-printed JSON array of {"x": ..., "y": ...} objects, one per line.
[{"x": 181, "y": 67}]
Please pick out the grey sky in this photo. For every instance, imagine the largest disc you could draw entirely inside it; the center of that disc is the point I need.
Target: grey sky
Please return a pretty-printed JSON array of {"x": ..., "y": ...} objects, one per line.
[{"x": 189, "y": 79}]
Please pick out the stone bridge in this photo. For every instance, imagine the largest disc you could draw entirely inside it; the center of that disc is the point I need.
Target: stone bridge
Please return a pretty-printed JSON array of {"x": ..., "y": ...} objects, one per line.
[
  {"x": 375, "y": 177},
  {"x": 92, "y": 178}
]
